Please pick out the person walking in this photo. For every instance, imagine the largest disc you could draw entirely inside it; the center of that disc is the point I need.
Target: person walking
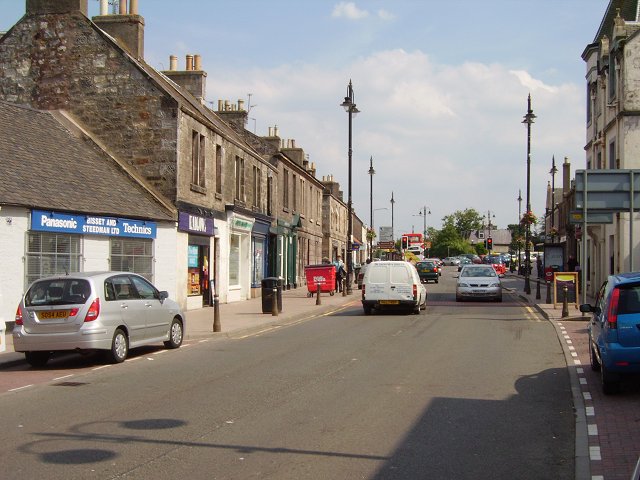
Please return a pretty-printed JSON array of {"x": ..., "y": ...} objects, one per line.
[{"x": 340, "y": 273}]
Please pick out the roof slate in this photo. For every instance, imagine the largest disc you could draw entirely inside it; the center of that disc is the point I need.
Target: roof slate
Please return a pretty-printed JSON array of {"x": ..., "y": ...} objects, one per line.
[{"x": 43, "y": 165}]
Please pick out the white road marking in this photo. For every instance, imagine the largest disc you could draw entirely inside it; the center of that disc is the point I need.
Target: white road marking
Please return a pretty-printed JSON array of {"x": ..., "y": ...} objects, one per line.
[
  {"x": 21, "y": 388},
  {"x": 592, "y": 429},
  {"x": 101, "y": 367},
  {"x": 66, "y": 376},
  {"x": 583, "y": 381},
  {"x": 594, "y": 453},
  {"x": 590, "y": 411},
  {"x": 580, "y": 370}
]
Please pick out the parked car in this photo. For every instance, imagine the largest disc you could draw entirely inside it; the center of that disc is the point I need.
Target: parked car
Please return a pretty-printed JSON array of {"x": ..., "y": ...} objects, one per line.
[
  {"x": 438, "y": 263},
  {"x": 478, "y": 282},
  {"x": 393, "y": 285},
  {"x": 451, "y": 261},
  {"x": 464, "y": 261},
  {"x": 472, "y": 256},
  {"x": 427, "y": 271},
  {"x": 497, "y": 262},
  {"x": 614, "y": 336},
  {"x": 110, "y": 311}
]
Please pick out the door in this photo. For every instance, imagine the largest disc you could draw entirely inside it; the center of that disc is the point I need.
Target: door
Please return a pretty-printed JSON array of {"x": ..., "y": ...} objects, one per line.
[
  {"x": 157, "y": 317},
  {"x": 133, "y": 311}
]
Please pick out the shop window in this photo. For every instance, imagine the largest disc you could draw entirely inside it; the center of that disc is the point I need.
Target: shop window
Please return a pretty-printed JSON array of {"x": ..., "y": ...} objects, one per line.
[
  {"x": 51, "y": 254},
  {"x": 258, "y": 261},
  {"x": 234, "y": 260},
  {"x": 132, "y": 255}
]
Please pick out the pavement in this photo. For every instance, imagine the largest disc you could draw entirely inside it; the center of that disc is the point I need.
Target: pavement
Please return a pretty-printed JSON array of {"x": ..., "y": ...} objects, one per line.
[{"x": 605, "y": 449}]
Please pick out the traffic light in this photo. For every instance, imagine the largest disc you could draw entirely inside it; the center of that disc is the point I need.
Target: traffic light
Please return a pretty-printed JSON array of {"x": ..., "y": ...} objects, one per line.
[
  {"x": 489, "y": 243},
  {"x": 405, "y": 243}
]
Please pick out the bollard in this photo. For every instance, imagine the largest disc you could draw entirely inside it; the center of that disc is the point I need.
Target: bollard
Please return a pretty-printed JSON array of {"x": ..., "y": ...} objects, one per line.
[
  {"x": 538, "y": 290},
  {"x": 565, "y": 303},
  {"x": 318, "y": 302},
  {"x": 548, "y": 292},
  {"x": 216, "y": 314},
  {"x": 344, "y": 288},
  {"x": 274, "y": 303}
]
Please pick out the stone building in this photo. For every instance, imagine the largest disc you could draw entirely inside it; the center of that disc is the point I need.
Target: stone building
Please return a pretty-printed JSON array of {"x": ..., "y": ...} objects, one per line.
[
  {"x": 294, "y": 198},
  {"x": 334, "y": 220},
  {"x": 55, "y": 58},
  {"x": 613, "y": 134}
]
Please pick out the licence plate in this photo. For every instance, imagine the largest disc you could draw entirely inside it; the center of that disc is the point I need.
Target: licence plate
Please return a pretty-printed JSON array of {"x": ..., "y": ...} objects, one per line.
[
  {"x": 51, "y": 314},
  {"x": 389, "y": 302},
  {"x": 479, "y": 291}
]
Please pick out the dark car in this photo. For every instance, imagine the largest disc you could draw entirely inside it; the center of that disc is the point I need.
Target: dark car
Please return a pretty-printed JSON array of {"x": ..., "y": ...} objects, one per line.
[
  {"x": 614, "y": 335},
  {"x": 464, "y": 261},
  {"x": 427, "y": 271}
]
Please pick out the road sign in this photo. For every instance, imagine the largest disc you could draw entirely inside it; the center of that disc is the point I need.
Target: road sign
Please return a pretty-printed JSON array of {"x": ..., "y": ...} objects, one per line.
[
  {"x": 576, "y": 216},
  {"x": 386, "y": 245}
]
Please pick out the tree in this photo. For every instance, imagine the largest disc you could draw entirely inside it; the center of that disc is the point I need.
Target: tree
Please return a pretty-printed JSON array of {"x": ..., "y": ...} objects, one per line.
[{"x": 464, "y": 222}]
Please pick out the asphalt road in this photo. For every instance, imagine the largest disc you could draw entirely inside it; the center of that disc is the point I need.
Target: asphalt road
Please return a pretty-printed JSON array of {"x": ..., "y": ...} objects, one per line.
[{"x": 460, "y": 391}]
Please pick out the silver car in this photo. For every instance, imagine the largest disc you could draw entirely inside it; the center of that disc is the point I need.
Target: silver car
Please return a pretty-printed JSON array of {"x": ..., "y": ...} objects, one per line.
[
  {"x": 111, "y": 311},
  {"x": 478, "y": 281}
]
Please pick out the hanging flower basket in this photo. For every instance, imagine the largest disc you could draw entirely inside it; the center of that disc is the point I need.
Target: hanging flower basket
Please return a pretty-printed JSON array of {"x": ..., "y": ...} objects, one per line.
[
  {"x": 371, "y": 234},
  {"x": 528, "y": 218},
  {"x": 553, "y": 232}
]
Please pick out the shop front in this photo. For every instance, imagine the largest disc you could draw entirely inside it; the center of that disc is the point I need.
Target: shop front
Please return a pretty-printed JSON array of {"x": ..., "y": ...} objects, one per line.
[
  {"x": 260, "y": 252},
  {"x": 240, "y": 253},
  {"x": 73, "y": 242},
  {"x": 200, "y": 261}
]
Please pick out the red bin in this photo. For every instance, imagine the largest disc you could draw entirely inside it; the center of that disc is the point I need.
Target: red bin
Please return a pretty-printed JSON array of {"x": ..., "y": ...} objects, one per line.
[{"x": 323, "y": 275}]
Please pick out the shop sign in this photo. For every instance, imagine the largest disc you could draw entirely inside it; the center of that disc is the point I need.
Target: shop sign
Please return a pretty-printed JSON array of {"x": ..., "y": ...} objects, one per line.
[
  {"x": 91, "y": 225},
  {"x": 193, "y": 256},
  {"x": 241, "y": 224},
  {"x": 188, "y": 222}
]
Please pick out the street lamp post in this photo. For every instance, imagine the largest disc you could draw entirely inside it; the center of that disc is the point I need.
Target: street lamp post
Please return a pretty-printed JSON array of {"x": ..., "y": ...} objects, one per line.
[
  {"x": 352, "y": 111},
  {"x": 519, "y": 215},
  {"x": 528, "y": 120},
  {"x": 553, "y": 172},
  {"x": 423, "y": 213},
  {"x": 372, "y": 172},
  {"x": 393, "y": 238}
]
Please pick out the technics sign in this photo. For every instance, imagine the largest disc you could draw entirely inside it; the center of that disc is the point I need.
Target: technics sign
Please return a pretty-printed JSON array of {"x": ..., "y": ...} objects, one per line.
[{"x": 91, "y": 225}]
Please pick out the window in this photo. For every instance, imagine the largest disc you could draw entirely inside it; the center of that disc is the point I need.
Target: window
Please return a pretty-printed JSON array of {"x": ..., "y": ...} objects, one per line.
[
  {"x": 295, "y": 194},
  {"x": 285, "y": 188},
  {"x": 51, "y": 254},
  {"x": 132, "y": 255},
  {"x": 144, "y": 288},
  {"x": 257, "y": 190},
  {"x": 612, "y": 155},
  {"x": 269, "y": 195},
  {"x": 234, "y": 260},
  {"x": 218, "y": 169},
  {"x": 613, "y": 77},
  {"x": 197, "y": 159},
  {"x": 240, "y": 179}
]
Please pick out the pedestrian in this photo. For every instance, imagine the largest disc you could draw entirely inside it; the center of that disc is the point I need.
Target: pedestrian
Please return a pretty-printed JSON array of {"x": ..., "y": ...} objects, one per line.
[
  {"x": 340, "y": 273},
  {"x": 571, "y": 264},
  {"x": 539, "y": 267}
]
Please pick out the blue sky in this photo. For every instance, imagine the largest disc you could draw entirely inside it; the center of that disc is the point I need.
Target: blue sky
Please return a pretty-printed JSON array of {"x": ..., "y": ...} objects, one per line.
[{"x": 442, "y": 87}]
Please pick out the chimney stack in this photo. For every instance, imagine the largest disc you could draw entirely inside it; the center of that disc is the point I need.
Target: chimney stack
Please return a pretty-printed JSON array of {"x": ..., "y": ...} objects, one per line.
[
  {"x": 191, "y": 79},
  {"x": 43, "y": 7},
  {"x": 127, "y": 29}
]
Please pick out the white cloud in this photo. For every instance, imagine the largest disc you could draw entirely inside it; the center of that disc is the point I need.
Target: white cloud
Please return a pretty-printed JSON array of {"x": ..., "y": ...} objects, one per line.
[
  {"x": 385, "y": 15},
  {"x": 349, "y": 10},
  {"x": 447, "y": 135}
]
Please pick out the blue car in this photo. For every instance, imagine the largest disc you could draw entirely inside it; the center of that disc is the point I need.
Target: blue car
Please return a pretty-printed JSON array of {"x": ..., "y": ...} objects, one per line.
[{"x": 614, "y": 330}]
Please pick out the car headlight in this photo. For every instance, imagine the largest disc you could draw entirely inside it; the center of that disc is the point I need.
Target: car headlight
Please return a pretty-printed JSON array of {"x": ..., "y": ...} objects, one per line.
[
  {"x": 462, "y": 284},
  {"x": 494, "y": 285}
]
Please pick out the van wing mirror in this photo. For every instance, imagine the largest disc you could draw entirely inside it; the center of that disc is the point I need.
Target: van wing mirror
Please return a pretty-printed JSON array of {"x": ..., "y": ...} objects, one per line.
[{"x": 587, "y": 308}]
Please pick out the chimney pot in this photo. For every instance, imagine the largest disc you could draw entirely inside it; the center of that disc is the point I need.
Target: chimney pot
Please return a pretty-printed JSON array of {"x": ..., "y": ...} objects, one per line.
[
  {"x": 240, "y": 104},
  {"x": 173, "y": 62},
  {"x": 220, "y": 105},
  {"x": 104, "y": 7},
  {"x": 189, "y": 63},
  {"x": 133, "y": 7},
  {"x": 197, "y": 62},
  {"x": 123, "y": 7}
]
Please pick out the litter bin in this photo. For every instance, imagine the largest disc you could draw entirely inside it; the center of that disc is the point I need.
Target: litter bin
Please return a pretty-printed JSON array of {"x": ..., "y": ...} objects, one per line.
[
  {"x": 268, "y": 284},
  {"x": 3, "y": 339}
]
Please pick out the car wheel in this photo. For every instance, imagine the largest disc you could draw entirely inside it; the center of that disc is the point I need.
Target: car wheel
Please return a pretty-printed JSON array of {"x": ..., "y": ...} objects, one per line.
[
  {"x": 499, "y": 299},
  {"x": 416, "y": 309},
  {"x": 610, "y": 383},
  {"x": 367, "y": 309},
  {"x": 37, "y": 359},
  {"x": 119, "y": 347},
  {"x": 595, "y": 365},
  {"x": 437, "y": 280},
  {"x": 175, "y": 334}
]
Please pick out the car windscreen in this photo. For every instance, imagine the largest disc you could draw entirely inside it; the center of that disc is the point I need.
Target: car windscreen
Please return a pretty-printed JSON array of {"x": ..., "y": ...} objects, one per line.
[
  {"x": 478, "y": 272},
  {"x": 58, "y": 292}
]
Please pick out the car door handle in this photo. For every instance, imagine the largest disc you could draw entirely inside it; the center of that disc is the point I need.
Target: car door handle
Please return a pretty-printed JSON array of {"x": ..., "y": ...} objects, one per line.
[
  {"x": 148, "y": 305},
  {"x": 124, "y": 305}
]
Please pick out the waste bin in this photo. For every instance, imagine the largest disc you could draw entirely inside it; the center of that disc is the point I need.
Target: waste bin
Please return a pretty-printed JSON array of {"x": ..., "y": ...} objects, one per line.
[
  {"x": 3, "y": 339},
  {"x": 268, "y": 284}
]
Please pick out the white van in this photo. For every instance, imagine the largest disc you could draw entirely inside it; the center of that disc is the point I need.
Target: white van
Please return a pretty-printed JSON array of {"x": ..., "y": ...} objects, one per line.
[{"x": 393, "y": 284}]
